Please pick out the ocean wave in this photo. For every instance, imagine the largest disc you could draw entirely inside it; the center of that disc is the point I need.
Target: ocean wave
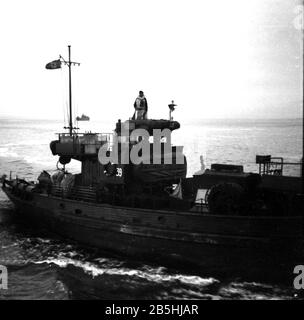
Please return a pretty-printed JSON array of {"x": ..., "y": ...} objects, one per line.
[
  {"x": 51, "y": 269},
  {"x": 22, "y": 143},
  {"x": 155, "y": 275},
  {"x": 7, "y": 153},
  {"x": 30, "y": 282}
]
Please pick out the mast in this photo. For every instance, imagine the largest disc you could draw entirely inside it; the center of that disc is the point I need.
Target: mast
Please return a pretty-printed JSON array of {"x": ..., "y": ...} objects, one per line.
[
  {"x": 69, "y": 63},
  {"x": 70, "y": 92},
  {"x": 56, "y": 64}
]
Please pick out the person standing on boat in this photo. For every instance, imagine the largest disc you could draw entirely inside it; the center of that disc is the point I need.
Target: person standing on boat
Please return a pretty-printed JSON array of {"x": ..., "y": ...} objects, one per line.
[{"x": 141, "y": 107}]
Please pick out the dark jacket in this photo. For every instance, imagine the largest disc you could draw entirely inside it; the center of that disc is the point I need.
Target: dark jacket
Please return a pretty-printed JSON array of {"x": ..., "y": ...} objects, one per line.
[{"x": 143, "y": 104}]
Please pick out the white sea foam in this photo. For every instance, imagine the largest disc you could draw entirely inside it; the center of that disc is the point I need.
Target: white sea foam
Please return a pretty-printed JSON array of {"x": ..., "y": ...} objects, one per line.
[
  {"x": 7, "y": 152},
  {"x": 152, "y": 275}
]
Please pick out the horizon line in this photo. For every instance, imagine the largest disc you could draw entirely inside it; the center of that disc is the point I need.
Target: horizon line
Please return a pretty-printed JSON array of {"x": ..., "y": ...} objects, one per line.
[{"x": 9, "y": 117}]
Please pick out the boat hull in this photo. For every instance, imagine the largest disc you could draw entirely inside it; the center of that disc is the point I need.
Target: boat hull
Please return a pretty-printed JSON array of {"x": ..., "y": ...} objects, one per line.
[{"x": 224, "y": 245}]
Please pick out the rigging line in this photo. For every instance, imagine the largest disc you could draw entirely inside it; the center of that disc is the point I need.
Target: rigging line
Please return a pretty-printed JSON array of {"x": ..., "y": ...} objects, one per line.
[
  {"x": 67, "y": 108},
  {"x": 76, "y": 91},
  {"x": 76, "y": 114},
  {"x": 65, "y": 97},
  {"x": 62, "y": 97}
]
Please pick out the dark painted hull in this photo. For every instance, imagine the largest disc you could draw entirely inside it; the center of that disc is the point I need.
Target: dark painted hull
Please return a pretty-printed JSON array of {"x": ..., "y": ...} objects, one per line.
[{"x": 215, "y": 244}]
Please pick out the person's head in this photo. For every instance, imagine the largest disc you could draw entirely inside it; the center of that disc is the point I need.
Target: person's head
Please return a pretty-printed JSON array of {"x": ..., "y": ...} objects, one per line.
[{"x": 141, "y": 94}]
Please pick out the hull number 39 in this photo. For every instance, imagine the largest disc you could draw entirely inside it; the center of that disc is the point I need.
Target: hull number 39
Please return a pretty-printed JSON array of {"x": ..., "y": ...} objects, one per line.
[{"x": 119, "y": 172}]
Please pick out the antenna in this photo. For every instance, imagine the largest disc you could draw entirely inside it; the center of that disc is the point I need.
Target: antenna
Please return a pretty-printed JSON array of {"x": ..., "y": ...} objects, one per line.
[{"x": 171, "y": 106}]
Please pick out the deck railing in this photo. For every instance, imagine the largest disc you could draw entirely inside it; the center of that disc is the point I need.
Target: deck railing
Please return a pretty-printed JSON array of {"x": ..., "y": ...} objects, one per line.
[
  {"x": 273, "y": 165},
  {"x": 82, "y": 193},
  {"x": 91, "y": 141}
]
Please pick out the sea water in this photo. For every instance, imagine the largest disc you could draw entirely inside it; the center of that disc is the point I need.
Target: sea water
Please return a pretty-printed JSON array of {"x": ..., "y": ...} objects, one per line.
[{"x": 47, "y": 267}]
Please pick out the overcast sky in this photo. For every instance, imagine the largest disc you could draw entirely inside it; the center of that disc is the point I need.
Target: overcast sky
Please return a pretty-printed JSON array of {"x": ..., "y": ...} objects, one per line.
[{"x": 216, "y": 59}]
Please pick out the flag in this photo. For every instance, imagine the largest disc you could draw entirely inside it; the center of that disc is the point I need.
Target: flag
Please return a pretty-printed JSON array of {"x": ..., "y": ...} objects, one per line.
[{"x": 56, "y": 64}]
